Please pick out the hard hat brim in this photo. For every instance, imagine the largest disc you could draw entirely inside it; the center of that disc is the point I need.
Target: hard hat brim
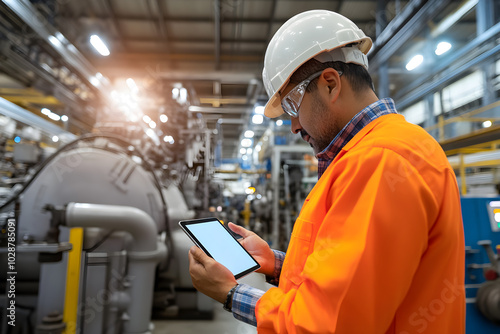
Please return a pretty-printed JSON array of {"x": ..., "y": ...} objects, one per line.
[{"x": 273, "y": 107}]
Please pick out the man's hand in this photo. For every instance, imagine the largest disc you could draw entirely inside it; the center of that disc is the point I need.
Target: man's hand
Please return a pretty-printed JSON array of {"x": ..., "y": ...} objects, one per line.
[
  {"x": 257, "y": 247},
  {"x": 209, "y": 276}
]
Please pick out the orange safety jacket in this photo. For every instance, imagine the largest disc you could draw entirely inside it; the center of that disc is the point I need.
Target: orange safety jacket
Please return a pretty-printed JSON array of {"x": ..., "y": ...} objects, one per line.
[{"x": 378, "y": 246}]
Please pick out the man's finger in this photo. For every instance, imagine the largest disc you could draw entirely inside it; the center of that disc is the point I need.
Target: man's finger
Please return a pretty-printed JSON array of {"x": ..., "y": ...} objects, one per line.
[
  {"x": 239, "y": 230},
  {"x": 198, "y": 255}
]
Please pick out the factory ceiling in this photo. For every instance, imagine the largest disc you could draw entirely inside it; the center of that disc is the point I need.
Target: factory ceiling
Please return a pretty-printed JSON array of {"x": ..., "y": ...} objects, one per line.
[{"x": 214, "y": 49}]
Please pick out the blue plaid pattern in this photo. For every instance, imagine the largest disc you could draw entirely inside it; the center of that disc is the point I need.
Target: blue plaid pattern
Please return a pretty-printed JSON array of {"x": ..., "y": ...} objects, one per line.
[
  {"x": 375, "y": 110},
  {"x": 245, "y": 297}
]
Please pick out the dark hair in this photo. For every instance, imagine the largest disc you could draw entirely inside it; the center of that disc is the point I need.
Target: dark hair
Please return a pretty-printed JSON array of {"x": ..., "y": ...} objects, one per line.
[{"x": 357, "y": 75}]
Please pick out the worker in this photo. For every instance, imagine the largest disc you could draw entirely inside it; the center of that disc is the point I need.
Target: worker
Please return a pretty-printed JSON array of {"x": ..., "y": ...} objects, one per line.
[{"x": 378, "y": 246}]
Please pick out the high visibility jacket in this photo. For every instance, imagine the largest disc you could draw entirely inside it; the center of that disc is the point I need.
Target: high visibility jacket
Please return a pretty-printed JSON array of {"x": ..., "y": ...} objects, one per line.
[{"x": 378, "y": 246}]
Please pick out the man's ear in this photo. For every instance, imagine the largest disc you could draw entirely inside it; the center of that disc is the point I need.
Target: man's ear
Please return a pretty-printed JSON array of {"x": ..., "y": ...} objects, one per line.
[{"x": 331, "y": 83}]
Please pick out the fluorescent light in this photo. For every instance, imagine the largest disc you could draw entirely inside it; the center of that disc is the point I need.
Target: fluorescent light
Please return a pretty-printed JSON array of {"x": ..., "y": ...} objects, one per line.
[
  {"x": 249, "y": 150},
  {"x": 163, "y": 118},
  {"x": 152, "y": 124},
  {"x": 415, "y": 62},
  {"x": 249, "y": 134},
  {"x": 99, "y": 45},
  {"x": 64, "y": 118},
  {"x": 243, "y": 150},
  {"x": 246, "y": 142},
  {"x": 279, "y": 122},
  {"x": 257, "y": 119},
  {"x": 46, "y": 111},
  {"x": 132, "y": 85},
  {"x": 150, "y": 133},
  {"x": 258, "y": 148},
  {"x": 487, "y": 124},
  {"x": 442, "y": 48},
  {"x": 146, "y": 119},
  {"x": 54, "y": 117},
  {"x": 259, "y": 110},
  {"x": 55, "y": 139}
]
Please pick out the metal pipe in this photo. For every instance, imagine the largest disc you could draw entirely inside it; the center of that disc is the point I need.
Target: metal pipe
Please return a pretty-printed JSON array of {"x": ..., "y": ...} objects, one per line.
[{"x": 144, "y": 253}]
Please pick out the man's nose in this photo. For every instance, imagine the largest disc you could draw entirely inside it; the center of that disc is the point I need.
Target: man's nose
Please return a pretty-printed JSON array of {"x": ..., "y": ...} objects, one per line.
[{"x": 295, "y": 126}]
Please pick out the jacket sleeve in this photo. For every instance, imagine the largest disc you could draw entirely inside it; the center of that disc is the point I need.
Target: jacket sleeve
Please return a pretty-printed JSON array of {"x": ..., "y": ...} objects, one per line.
[{"x": 352, "y": 278}]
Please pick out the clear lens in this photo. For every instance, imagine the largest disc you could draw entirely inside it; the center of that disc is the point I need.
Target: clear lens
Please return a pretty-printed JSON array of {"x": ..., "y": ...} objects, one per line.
[{"x": 291, "y": 102}]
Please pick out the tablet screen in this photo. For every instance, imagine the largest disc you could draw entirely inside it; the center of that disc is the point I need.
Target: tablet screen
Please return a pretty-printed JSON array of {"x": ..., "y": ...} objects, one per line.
[{"x": 212, "y": 237}]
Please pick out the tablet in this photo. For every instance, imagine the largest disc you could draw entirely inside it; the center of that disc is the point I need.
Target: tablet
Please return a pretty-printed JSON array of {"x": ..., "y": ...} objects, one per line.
[{"x": 216, "y": 241}]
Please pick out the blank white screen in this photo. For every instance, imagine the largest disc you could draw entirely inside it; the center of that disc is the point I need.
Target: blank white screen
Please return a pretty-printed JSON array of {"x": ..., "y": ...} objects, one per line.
[{"x": 222, "y": 246}]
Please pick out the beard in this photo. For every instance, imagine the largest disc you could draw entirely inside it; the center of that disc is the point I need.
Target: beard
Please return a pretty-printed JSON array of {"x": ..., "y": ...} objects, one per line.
[{"x": 323, "y": 133}]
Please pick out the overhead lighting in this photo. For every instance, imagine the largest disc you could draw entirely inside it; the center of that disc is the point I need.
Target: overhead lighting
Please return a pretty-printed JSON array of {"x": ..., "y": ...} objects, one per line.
[
  {"x": 99, "y": 45},
  {"x": 94, "y": 81},
  {"x": 243, "y": 150},
  {"x": 258, "y": 148},
  {"x": 54, "y": 117},
  {"x": 146, "y": 119},
  {"x": 163, "y": 118},
  {"x": 245, "y": 158},
  {"x": 442, "y": 48},
  {"x": 168, "y": 139},
  {"x": 152, "y": 124},
  {"x": 249, "y": 134},
  {"x": 64, "y": 118},
  {"x": 55, "y": 139},
  {"x": 279, "y": 122},
  {"x": 246, "y": 142},
  {"x": 46, "y": 111},
  {"x": 257, "y": 119},
  {"x": 259, "y": 110},
  {"x": 249, "y": 150},
  {"x": 415, "y": 62},
  {"x": 132, "y": 85},
  {"x": 487, "y": 124}
]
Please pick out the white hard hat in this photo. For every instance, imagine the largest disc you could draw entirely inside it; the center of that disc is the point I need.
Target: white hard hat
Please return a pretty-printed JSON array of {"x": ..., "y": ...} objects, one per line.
[{"x": 305, "y": 36}]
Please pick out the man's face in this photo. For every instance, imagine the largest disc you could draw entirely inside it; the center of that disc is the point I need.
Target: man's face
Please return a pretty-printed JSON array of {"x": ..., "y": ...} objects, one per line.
[{"x": 316, "y": 121}]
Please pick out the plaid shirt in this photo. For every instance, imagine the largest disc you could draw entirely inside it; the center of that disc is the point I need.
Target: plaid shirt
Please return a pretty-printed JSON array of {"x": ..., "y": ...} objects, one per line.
[
  {"x": 358, "y": 122},
  {"x": 245, "y": 297}
]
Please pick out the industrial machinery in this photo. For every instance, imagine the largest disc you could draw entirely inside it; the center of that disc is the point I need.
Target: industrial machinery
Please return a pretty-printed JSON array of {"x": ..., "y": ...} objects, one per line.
[
  {"x": 481, "y": 218},
  {"x": 94, "y": 246}
]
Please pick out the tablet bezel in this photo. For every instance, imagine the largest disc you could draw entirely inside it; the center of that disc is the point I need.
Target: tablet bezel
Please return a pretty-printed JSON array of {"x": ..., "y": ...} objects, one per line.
[{"x": 193, "y": 238}]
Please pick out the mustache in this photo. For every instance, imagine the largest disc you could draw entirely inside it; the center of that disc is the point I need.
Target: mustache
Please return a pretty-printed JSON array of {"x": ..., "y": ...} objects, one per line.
[{"x": 303, "y": 133}]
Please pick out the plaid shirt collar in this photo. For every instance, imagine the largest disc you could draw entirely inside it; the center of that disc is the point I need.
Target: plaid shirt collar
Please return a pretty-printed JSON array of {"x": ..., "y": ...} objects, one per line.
[{"x": 358, "y": 122}]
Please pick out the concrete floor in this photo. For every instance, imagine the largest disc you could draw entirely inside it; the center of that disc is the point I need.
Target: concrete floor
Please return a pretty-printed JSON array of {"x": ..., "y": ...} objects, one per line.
[{"x": 223, "y": 323}]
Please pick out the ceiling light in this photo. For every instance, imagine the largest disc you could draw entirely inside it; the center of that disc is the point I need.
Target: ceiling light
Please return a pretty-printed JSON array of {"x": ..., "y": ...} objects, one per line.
[
  {"x": 258, "y": 148},
  {"x": 487, "y": 124},
  {"x": 168, "y": 139},
  {"x": 414, "y": 62},
  {"x": 163, "y": 118},
  {"x": 257, "y": 119},
  {"x": 279, "y": 122},
  {"x": 243, "y": 150},
  {"x": 55, "y": 139},
  {"x": 54, "y": 117},
  {"x": 94, "y": 81},
  {"x": 246, "y": 142},
  {"x": 249, "y": 134},
  {"x": 245, "y": 158},
  {"x": 64, "y": 118},
  {"x": 442, "y": 48},
  {"x": 259, "y": 110},
  {"x": 46, "y": 111},
  {"x": 99, "y": 45},
  {"x": 249, "y": 151},
  {"x": 152, "y": 124},
  {"x": 132, "y": 85},
  {"x": 146, "y": 119}
]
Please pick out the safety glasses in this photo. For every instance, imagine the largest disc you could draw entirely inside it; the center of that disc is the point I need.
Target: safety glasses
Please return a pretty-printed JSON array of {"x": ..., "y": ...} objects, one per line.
[{"x": 292, "y": 101}]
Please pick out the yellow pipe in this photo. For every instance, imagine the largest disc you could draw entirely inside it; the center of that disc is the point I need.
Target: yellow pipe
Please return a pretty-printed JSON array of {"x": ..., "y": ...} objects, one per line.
[
  {"x": 462, "y": 175},
  {"x": 70, "y": 313}
]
